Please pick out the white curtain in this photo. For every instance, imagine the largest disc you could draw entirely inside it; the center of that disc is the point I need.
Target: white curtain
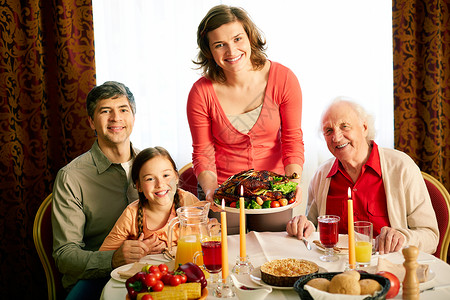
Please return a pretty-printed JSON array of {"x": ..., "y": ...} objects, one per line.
[{"x": 336, "y": 48}]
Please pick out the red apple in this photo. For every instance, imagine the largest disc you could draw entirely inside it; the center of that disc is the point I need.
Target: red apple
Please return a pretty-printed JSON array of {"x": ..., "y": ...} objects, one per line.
[{"x": 395, "y": 283}]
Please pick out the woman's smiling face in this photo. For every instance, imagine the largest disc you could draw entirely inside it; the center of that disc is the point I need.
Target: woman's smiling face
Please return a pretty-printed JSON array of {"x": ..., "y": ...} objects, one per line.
[
  {"x": 230, "y": 47},
  {"x": 158, "y": 181}
]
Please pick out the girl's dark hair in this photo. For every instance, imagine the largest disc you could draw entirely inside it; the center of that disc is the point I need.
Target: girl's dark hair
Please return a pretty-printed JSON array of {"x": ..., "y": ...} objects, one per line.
[
  {"x": 144, "y": 156},
  {"x": 216, "y": 17}
]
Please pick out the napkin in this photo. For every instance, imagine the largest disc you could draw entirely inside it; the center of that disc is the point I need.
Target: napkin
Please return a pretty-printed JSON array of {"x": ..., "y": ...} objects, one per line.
[
  {"x": 321, "y": 295},
  {"x": 335, "y": 248},
  {"x": 397, "y": 269},
  {"x": 136, "y": 267}
]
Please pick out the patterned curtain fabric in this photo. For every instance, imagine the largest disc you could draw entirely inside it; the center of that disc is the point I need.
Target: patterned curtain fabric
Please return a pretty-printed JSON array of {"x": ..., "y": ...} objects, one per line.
[
  {"x": 47, "y": 68},
  {"x": 421, "y": 42}
]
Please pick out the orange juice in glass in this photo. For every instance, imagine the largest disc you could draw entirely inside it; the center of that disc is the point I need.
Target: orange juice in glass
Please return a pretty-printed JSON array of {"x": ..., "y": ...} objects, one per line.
[
  {"x": 186, "y": 248},
  {"x": 363, "y": 242}
]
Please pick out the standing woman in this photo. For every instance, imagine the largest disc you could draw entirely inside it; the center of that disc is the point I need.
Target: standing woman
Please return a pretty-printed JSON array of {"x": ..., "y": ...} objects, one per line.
[{"x": 244, "y": 112}]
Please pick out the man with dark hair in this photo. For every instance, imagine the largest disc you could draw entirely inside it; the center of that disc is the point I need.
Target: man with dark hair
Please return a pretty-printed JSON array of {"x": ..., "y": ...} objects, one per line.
[{"x": 91, "y": 192}]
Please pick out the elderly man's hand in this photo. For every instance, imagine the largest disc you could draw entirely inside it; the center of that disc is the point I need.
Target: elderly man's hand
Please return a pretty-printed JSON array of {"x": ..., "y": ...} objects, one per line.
[
  {"x": 389, "y": 240},
  {"x": 300, "y": 227}
]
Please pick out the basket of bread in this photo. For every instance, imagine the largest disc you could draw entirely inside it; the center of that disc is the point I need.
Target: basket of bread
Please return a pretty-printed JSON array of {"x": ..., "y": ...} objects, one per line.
[{"x": 343, "y": 285}]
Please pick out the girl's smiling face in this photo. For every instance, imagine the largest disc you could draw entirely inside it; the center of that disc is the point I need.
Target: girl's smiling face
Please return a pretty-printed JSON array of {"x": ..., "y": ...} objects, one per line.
[{"x": 158, "y": 181}]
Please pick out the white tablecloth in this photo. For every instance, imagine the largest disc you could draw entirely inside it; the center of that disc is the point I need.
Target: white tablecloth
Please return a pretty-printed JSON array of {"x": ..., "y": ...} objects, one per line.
[{"x": 265, "y": 246}]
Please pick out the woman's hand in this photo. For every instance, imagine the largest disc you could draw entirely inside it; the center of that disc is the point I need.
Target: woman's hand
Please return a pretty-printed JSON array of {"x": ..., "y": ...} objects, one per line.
[
  {"x": 300, "y": 227},
  {"x": 298, "y": 196},
  {"x": 389, "y": 240}
]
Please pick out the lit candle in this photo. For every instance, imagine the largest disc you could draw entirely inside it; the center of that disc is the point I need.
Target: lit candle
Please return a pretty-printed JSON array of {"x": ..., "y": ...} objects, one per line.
[
  {"x": 351, "y": 232},
  {"x": 242, "y": 223},
  {"x": 223, "y": 224}
]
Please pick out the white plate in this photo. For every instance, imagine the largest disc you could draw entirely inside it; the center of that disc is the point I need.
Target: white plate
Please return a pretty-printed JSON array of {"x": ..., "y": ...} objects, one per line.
[
  {"x": 255, "y": 276},
  {"x": 257, "y": 211},
  {"x": 115, "y": 275}
]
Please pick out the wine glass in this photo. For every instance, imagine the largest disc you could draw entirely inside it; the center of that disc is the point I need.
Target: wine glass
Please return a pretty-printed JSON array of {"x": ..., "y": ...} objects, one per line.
[
  {"x": 212, "y": 255},
  {"x": 329, "y": 236}
]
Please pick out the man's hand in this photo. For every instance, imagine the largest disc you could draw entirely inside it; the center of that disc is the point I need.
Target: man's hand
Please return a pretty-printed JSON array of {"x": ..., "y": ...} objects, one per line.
[
  {"x": 389, "y": 240},
  {"x": 130, "y": 251},
  {"x": 300, "y": 227}
]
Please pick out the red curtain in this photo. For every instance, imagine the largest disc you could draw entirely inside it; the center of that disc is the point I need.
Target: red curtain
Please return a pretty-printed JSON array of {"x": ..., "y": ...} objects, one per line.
[
  {"x": 47, "y": 68},
  {"x": 421, "y": 42}
]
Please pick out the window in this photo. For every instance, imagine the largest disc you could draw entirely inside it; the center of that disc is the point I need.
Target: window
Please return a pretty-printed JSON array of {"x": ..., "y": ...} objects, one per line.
[{"x": 336, "y": 48}]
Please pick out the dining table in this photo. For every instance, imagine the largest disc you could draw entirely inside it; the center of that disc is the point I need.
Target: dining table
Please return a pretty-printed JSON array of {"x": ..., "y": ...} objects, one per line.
[{"x": 267, "y": 246}]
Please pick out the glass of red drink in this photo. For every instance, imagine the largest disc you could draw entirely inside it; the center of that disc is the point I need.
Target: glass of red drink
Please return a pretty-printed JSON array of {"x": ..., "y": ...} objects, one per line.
[
  {"x": 212, "y": 256},
  {"x": 329, "y": 236}
]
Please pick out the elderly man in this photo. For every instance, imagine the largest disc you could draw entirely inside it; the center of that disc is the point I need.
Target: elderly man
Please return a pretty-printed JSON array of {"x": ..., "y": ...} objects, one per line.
[
  {"x": 387, "y": 186},
  {"x": 90, "y": 194}
]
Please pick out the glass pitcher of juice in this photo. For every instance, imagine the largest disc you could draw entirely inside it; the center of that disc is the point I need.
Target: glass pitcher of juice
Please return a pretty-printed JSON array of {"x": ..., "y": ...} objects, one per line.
[{"x": 192, "y": 226}]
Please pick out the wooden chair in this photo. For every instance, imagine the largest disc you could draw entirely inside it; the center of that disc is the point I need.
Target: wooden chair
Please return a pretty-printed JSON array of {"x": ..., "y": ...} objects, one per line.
[
  {"x": 43, "y": 240},
  {"x": 440, "y": 199},
  {"x": 188, "y": 180}
]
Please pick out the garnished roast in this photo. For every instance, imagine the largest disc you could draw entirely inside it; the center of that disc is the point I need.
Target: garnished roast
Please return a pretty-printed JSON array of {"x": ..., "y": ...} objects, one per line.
[{"x": 259, "y": 189}]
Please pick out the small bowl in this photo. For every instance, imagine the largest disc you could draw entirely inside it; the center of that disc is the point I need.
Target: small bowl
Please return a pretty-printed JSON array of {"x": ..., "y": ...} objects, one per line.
[
  {"x": 250, "y": 291},
  {"x": 304, "y": 294}
]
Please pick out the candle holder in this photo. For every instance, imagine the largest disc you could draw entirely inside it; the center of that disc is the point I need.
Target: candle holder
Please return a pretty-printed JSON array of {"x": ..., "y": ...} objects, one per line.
[
  {"x": 242, "y": 266},
  {"x": 224, "y": 289}
]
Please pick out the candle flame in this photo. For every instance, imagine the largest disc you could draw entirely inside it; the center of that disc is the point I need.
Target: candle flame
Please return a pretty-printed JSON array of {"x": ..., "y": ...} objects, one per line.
[
  {"x": 223, "y": 204},
  {"x": 349, "y": 193},
  {"x": 242, "y": 191}
]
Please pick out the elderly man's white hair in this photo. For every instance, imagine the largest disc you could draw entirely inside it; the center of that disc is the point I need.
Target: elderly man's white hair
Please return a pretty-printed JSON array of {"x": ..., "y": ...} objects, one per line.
[{"x": 362, "y": 114}]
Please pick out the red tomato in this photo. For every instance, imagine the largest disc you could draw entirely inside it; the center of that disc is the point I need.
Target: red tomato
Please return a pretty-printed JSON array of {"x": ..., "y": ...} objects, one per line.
[
  {"x": 274, "y": 204},
  {"x": 147, "y": 297},
  {"x": 158, "y": 287},
  {"x": 166, "y": 278},
  {"x": 183, "y": 278},
  {"x": 175, "y": 280},
  {"x": 153, "y": 269},
  {"x": 233, "y": 204},
  {"x": 157, "y": 274},
  {"x": 395, "y": 284},
  {"x": 291, "y": 201},
  {"x": 163, "y": 268},
  {"x": 150, "y": 279}
]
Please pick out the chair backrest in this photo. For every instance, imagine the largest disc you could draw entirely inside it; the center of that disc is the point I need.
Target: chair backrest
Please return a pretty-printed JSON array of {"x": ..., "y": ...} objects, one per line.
[
  {"x": 43, "y": 241},
  {"x": 188, "y": 180},
  {"x": 440, "y": 199}
]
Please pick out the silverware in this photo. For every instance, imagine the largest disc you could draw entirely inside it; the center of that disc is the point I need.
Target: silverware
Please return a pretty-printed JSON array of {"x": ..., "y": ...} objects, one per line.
[
  {"x": 305, "y": 241},
  {"x": 168, "y": 255},
  {"x": 436, "y": 288}
]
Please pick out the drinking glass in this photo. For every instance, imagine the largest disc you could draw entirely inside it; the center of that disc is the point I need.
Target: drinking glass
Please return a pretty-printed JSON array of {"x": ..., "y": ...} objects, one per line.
[
  {"x": 212, "y": 256},
  {"x": 363, "y": 242},
  {"x": 329, "y": 236}
]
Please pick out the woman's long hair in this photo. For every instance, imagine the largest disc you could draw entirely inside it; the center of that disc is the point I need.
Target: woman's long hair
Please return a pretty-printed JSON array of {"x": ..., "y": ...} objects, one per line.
[{"x": 144, "y": 156}]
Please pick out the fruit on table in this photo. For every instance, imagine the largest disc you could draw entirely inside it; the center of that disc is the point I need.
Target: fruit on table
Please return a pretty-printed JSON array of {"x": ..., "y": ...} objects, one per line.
[
  {"x": 193, "y": 273},
  {"x": 395, "y": 283},
  {"x": 191, "y": 290},
  {"x": 188, "y": 280}
]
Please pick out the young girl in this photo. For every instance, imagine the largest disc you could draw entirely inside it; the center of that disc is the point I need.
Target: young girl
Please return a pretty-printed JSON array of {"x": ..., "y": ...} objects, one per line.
[{"x": 156, "y": 178}]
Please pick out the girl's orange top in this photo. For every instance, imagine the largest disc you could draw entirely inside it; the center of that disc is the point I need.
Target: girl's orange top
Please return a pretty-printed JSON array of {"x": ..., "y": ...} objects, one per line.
[{"x": 126, "y": 227}]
